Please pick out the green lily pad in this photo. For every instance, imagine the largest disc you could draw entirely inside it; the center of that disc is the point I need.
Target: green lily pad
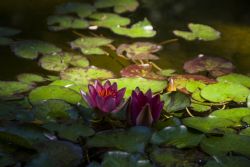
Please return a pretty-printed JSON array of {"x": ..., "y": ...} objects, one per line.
[
  {"x": 31, "y": 49},
  {"x": 82, "y": 76},
  {"x": 57, "y": 23},
  {"x": 57, "y": 154},
  {"x": 108, "y": 20},
  {"x": 70, "y": 85},
  {"x": 54, "y": 92},
  {"x": 228, "y": 143},
  {"x": 225, "y": 91},
  {"x": 144, "y": 84},
  {"x": 123, "y": 159},
  {"x": 12, "y": 89},
  {"x": 80, "y": 9},
  {"x": 132, "y": 140},
  {"x": 30, "y": 78},
  {"x": 70, "y": 131},
  {"x": 166, "y": 72},
  {"x": 234, "y": 114},
  {"x": 177, "y": 136},
  {"x": 200, "y": 107},
  {"x": 7, "y": 31},
  {"x": 5, "y": 41},
  {"x": 246, "y": 119},
  {"x": 91, "y": 45},
  {"x": 79, "y": 61},
  {"x": 198, "y": 31},
  {"x": 54, "y": 110},
  {"x": 236, "y": 78},
  {"x": 139, "y": 29},
  {"x": 120, "y": 6},
  {"x": 208, "y": 124},
  {"x": 228, "y": 161}
]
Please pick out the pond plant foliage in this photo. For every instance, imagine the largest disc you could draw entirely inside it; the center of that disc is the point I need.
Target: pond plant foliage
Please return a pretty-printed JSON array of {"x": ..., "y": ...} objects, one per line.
[{"x": 145, "y": 116}]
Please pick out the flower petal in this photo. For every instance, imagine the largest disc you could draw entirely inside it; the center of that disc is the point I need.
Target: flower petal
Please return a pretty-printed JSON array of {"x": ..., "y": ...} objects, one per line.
[
  {"x": 145, "y": 116},
  {"x": 109, "y": 104},
  {"x": 114, "y": 86},
  {"x": 107, "y": 84},
  {"x": 120, "y": 95},
  {"x": 88, "y": 99},
  {"x": 99, "y": 102},
  {"x": 98, "y": 86},
  {"x": 92, "y": 91}
]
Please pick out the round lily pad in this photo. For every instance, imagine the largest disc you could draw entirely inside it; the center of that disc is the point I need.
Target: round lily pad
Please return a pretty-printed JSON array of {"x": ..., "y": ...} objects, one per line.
[
  {"x": 12, "y": 89},
  {"x": 31, "y": 49},
  {"x": 216, "y": 66},
  {"x": 54, "y": 92},
  {"x": 7, "y": 31},
  {"x": 82, "y": 76},
  {"x": 225, "y": 91},
  {"x": 70, "y": 84},
  {"x": 80, "y": 9},
  {"x": 119, "y": 6},
  {"x": 144, "y": 84},
  {"x": 30, "y": 78},
  {"x": 108, "y": 20},
  {"x": 236, "y": 78},
  {"x": 57, "y": 23},
  {"x": 5, "y": 41},
  {"x": 79, "y": 61}
]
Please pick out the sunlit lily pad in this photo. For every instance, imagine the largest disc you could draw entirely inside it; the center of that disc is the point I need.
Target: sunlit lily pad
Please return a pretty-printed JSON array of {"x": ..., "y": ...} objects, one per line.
[
  {"x": 236, "y": 78},
  {"x": 70, "y": 131},
  {"x": 30, "y": 78},
  {"x": 200, "y": 32},
  {"x": 80, "y": 9},
  {"x": 70, "y": 84},
  {"x": 12, "y": 89},
  {"x": 54, "y": 110},
  {"x": 144, "y": 84},
  {"x": 82, "y": 76},
  {"x": 144, "y": 71},
  {"x": 166, "y": 72},
  {"x": 132, "y": 140},
  {"x": 225, "y": 91},
  {"x": 178, "y": 136},
  {"x": 208, "y": 124},
  {"x": 54, "y": 92},
  {"x": 214, "y": 65},
  {"x": 31, "y": 49},
  {"x": 57, "y": 23},
  {"x": 108, "y": 20},
  {"x": 124, "y": 159},
  {"x": 200, "y": 107},
  {"x": 139, "y": 50},
  {"x": 119, "y": 6},
  {"x": 91, "y": 45},
  {"x": 139, "y": 29},
  {"x": 79, "y": 61},
  {"x": 227, "y": 143}
]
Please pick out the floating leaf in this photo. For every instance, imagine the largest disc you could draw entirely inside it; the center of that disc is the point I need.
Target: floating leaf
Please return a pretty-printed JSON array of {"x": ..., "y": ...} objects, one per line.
[
  {"x": 234, "y": 114},
  {"x": 177, "y": 136},
  {"x": 54, "y": 92},
  {"x": 81, "y": 9},
  {"x": 139, "y": 50},
  {"x": 120, "y": 6},
  {"x": 123, "y": 159},
  {"x": 7, "y": 31},
  {"x": 166, "y": 72},
  {"x": 144, "y": 71},
  {"x": 144, "y": 84},
  {"x": 200, "y": 107},
  {"x": 225, "y": 91},
  {"x": 139, "y": 29},
  {"x": 200, "y": 32},
  {"x": 236, "y": 78},
  {"x": 79, "y": 61},
  {"x": 228, "y": 143},
  {"x": 57, "y": 23},
  {"x": 91, "y": 45},
  {"x": 57, "y": 154},
  {"x": 70, "y": 85},
  {"x": 31, "y": 49},
  {"x": 208, "y": 124},
  {"x": 214, "y": 65},
  {"x": 5, "y": 41},
  {"x": 70, "y": 131},
  {"x": 228, "y": 161},
  {"x": 12, "y": 89},
  {"x": 132, "y": 140},
  {"x": 82, "y": 76},
  {"x": 30, "y": 78},
  {"x": 108, "y": 20}
]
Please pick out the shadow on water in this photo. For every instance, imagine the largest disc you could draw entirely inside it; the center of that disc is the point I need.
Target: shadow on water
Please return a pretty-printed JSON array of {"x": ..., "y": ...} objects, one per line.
[{"x": 230, "y": 17}]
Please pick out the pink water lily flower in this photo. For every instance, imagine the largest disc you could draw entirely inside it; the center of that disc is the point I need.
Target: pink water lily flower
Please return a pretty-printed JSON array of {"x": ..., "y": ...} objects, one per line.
[
  {"x": 106, "y": 98},
  {"x": 144, "y": 109}
]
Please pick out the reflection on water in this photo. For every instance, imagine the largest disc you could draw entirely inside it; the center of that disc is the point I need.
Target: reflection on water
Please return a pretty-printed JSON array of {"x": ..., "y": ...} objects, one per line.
[{"x": 230, "y": 17}]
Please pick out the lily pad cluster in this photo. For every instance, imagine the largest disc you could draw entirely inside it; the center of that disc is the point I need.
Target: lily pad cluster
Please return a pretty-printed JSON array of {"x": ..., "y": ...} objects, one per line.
[{"x": 6, "y": 33}]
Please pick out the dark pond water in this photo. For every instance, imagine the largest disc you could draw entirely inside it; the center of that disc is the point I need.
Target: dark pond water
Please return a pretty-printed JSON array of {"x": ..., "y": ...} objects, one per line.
[{"x": 230, "y": 17}]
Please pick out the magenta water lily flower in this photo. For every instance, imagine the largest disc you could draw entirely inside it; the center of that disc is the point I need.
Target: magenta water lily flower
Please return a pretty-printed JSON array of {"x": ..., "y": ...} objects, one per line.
[
  {"x": 144, "y": 109},
  {"x": 105, "y": 98}
]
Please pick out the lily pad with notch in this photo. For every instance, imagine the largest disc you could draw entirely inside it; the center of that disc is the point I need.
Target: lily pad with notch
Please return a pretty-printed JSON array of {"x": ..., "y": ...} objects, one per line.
[{"x": 30, "y": 78}]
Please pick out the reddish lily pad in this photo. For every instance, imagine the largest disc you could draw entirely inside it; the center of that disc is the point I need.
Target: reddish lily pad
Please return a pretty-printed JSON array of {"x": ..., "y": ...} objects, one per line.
[
  {"x": 144, "y": 71},
  {"x": 214, "y": 65},
  {"x": 139, "y": 50}
]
